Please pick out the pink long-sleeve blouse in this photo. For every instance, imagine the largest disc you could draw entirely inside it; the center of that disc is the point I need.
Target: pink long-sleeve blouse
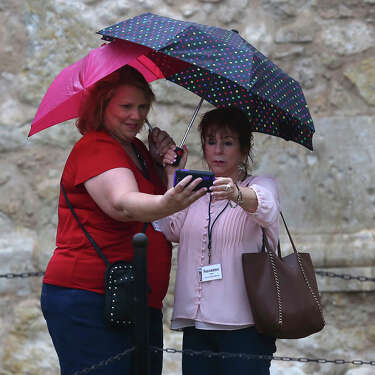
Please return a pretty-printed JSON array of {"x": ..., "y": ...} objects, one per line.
[{"x": 222, "y": 303}]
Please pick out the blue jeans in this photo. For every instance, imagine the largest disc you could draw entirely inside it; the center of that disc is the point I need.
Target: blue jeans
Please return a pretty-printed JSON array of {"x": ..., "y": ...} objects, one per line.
[
  {"x": 246, "y": 340},
  {"x": 75, "y": 320}
]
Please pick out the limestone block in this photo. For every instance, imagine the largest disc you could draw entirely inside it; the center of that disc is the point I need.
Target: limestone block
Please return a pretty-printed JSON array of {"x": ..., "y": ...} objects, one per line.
[
  {"x": 13, "y": 116},
  {"x": 348, "y": 38},
  {"x": 335, "y": 249},
  {"x": 62, "y": 135},
  {"x": 169, "y": 93},
  {"x": 29, "y": 348},
  {"x": 188, "y": 10},
  {"x": 360, "y": 371},
  {"x": 285, "y": 52},
  {"x": 58, "y": 35},
  {"x": 329, "y": 191},
  {"x": 296, "y": 33},
  {"x": 13, "y": 113},
  {"x": 12, "y": 55},
  {"x": 345, "y": 12},
  {"x": 345, "y": 101},
  {"x": 277, "y": 368},
  {"x": 331, "y": 60},
  {"x": 258, "y": 33},
  {"x": 49, "y": 189},
  {"x": 284, "y": 8},
  {"x": 12, "y": 138},
  {"x": 305, "y": 71},
  {"x": 232, "y": 13},
  {"x": 362, "y": 75},
  {"x": 17, "y": 199}
]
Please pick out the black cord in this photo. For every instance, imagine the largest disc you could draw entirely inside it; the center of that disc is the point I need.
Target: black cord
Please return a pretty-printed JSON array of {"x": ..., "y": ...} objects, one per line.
[{"x": 209, "y": 229}]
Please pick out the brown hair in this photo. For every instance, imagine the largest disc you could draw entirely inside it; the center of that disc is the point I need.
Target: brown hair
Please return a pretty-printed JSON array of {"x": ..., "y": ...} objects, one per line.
[
  {"x": 95, "y": 103},
  {"x": 233, "y": 119}
]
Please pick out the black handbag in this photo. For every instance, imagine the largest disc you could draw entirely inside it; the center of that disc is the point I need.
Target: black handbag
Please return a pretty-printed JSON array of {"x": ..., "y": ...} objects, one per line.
[{"x": 119, "y": 283}]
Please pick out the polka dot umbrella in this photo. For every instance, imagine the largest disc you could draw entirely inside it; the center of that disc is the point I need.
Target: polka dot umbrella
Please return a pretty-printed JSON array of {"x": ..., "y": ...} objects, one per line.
[{"x": 224, "y": 69}]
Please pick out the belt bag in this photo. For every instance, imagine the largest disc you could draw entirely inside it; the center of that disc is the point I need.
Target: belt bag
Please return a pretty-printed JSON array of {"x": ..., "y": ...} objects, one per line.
[
  {"x": 283, "y": 292},
  {"x": 119, "y": 283}
]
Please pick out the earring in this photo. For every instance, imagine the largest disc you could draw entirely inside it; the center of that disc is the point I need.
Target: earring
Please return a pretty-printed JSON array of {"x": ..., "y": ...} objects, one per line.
[
  {"x": 242, "y": 170},
  {"x": 242, "y": 167}
]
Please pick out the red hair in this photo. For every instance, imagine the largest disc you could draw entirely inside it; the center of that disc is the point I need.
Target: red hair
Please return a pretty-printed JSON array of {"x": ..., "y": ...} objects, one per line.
[{"x": 93, "y": 106}]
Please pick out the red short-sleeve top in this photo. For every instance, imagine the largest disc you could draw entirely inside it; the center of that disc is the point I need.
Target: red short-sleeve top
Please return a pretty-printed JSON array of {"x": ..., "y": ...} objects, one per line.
[{"x": 75, "y": 263}]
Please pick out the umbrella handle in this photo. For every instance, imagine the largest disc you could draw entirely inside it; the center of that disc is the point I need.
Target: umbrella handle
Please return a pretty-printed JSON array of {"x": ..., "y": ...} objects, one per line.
[{"x": 179, "y": 152}]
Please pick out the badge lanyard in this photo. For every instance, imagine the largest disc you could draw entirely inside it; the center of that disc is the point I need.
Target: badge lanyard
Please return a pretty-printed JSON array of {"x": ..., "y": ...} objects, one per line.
[{"x": 210, "y": 227}]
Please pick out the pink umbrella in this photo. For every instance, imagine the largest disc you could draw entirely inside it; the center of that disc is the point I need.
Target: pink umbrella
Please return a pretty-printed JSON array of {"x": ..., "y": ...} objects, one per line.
[{"x": 62, "y": 99}]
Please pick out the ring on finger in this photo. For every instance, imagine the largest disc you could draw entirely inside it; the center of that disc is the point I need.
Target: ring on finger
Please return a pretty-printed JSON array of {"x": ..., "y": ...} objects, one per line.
[{"x": 227, "y": 187}]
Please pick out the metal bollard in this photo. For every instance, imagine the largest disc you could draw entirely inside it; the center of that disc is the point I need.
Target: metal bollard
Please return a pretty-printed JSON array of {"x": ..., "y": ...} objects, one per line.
[{"x": 141, "y": 329}]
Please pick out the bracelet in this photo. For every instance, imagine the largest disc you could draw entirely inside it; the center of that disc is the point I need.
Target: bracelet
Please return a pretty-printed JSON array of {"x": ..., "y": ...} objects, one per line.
[{"x": 239, "y": 199}]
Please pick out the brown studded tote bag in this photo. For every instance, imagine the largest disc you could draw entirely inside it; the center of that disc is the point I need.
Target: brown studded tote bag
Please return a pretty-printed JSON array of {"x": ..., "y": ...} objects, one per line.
[{"x": 283, "y": 292}]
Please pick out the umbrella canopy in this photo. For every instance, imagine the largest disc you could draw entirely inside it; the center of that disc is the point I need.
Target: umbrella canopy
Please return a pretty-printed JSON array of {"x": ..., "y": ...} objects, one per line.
[
  {"x": 62, "y": 99},
  {"x": 225, "y": 70}
]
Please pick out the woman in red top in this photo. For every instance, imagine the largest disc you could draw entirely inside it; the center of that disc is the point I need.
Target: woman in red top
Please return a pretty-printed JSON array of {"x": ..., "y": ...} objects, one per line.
[{"x": 115, "y": 185}]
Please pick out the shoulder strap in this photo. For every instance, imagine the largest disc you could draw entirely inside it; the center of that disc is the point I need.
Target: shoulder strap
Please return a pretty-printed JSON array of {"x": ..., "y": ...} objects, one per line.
[
  {"x": 141, "y": 161},
  {"x": 92, "y": 241}
]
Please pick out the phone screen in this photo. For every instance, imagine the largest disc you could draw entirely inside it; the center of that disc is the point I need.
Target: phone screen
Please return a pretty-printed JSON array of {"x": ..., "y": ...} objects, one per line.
[{"x": 207, "y": 177}]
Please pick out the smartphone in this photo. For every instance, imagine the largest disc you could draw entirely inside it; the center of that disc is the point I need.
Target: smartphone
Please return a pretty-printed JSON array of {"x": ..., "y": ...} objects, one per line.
[{"x": 207, "y": 177}]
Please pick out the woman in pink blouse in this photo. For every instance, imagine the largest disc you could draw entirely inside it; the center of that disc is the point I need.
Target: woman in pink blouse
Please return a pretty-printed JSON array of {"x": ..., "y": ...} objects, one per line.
[{"x": 211, "y": 304}]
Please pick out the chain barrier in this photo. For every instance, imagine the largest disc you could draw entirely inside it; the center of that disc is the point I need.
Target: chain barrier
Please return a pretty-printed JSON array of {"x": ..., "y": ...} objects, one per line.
[
  {"x": 105, "y": 362},
  {"x": 22, "y": 275},
  {"x": 226, "y": 355},
  {"x": 344, "y": 276},
  {"x": 319, "y": 273}
]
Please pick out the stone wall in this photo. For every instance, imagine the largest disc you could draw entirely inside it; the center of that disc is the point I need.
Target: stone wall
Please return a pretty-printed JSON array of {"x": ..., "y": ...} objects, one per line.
[{"x": 328, "y": 196}]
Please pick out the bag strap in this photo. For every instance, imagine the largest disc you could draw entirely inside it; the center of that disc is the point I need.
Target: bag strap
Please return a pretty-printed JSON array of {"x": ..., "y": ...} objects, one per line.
[
  {"x": 89, "y": 237},
  {"x": 144, "y": 170},
  {"x": 265, "y": 243},
  {"x": 289, "y": 235}
]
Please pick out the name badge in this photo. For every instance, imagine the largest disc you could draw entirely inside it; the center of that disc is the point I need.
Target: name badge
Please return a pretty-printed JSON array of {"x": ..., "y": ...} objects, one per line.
[{"x": 211, "y": 272}]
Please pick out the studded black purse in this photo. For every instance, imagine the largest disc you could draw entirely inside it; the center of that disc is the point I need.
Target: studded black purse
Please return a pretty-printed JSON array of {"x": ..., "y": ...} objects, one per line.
[
  {"x": 119, "y": 286},
  {"x": 119, "y": 283}
]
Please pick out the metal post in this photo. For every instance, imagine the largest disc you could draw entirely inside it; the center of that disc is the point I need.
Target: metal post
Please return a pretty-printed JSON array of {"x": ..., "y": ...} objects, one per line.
[{"x": 141, "y": 329}]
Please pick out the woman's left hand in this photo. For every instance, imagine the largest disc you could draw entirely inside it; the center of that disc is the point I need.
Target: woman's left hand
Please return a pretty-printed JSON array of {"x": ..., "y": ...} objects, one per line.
[
  {"x": 159, "y": 143},
  {"x": 224, "y": 188}
]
